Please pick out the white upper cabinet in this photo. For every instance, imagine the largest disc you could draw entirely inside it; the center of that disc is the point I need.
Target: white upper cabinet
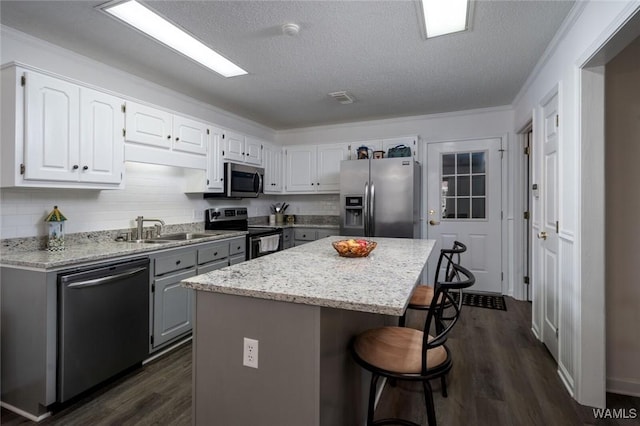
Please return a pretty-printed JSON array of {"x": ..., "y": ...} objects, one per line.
[
  {"x": 253, "y": 150},
  {"x": 242, "y": 149},
  {"x": 215, "y": 166},
  {"x": 52, "y": 129},
  {"x": 148, "y": 125},
  {"x": 102, "y": 144},
  {"x": 157, "y": 136},
  {"x": 328, "y": 166},
  {"x": 65, "y": 135},
  {"x": 314, "y": 168},
  {"x": 190, "y": 135},
  {"x": 233, "y": 146},
  {"x": 300, "y": 169},
  {"x": 272, "y": 161}
]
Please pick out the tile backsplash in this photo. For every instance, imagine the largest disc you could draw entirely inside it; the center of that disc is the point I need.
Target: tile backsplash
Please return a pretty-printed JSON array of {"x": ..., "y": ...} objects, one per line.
[{"x": 150, "y": 190}]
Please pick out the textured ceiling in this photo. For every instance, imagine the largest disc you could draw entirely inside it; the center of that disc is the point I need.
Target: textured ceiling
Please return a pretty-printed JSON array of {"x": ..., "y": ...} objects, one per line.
[{"x": 372, "y": 49}]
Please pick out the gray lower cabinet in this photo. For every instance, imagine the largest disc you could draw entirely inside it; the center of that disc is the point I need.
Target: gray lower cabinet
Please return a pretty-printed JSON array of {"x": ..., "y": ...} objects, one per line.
[
  {"x": 306, "y": 235},
  {"x": 287, "y": 238},
  {"x": 172, "y": 304}
]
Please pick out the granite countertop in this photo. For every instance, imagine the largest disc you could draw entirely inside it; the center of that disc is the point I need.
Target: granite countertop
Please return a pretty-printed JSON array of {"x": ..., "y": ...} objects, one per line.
[
  {"x": 314, "y": 274},
  {"x": 94, "y": 251}
]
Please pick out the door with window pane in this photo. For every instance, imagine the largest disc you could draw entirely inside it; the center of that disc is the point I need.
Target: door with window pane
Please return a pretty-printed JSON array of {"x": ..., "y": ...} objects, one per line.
[{"x": 463, "y": 203}]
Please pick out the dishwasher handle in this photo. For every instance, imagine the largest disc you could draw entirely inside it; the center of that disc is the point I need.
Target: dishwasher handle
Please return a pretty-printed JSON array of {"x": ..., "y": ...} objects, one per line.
[{"x": 107, "y": 279}]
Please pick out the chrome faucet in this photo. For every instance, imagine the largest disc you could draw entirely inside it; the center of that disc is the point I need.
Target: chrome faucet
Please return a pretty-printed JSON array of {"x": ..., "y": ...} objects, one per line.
[{"x": 140, "y": 220}]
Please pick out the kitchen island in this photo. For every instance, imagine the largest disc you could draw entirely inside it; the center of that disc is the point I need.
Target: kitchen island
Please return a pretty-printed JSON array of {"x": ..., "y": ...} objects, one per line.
[{"x": 302, "y": 305}]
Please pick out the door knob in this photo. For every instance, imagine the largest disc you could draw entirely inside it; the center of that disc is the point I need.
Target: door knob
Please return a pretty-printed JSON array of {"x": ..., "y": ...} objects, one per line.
[
  {"x": 433, "y": 222},
  {"x": 542, "y": 235}
]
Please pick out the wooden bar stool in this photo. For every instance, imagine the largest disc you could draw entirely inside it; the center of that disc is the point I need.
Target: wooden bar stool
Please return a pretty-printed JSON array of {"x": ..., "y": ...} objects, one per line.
[
  {"x": 403, "y": 353},
  {"x": 423, "y": 294}
]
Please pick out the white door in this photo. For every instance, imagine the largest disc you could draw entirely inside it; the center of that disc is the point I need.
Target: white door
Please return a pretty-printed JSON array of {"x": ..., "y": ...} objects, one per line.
[
  {"x": 464, "y": 192},
  {"x": 190, "y": 135},
  {"x": 102, "y": 143},
  {"x": 52, "y": 128},
  {"x": 300, "y": 169},
  {"x": 547, "y": 235},
  {"x": 148, "y": 125},
  {"x": 329, "y": 158}
]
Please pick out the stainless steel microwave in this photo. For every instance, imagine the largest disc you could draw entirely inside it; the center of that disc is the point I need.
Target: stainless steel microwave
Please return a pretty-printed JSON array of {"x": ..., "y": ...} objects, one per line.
[{"x": 240, "y": 181}]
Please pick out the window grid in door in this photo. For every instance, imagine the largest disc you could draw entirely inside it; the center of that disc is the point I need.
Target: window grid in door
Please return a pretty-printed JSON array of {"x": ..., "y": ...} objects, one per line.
[{"x": 464, "y": 185}]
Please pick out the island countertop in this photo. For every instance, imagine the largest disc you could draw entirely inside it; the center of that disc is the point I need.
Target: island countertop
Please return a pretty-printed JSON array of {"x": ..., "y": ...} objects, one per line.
[{"x": 314, "y": 274}]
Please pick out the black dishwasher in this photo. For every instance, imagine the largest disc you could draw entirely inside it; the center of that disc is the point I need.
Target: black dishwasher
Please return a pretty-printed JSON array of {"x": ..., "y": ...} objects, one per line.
[{"x": 103, "y": 323}]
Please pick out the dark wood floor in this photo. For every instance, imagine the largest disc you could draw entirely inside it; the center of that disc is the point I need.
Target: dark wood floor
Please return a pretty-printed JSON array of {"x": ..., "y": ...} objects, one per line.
[{"x": 501, "y": 376}]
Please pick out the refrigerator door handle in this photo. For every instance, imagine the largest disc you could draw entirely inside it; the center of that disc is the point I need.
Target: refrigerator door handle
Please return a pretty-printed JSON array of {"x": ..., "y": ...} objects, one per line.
[
  {"x": 366, "y": 209},
  {"x": 372, "y": 211}
]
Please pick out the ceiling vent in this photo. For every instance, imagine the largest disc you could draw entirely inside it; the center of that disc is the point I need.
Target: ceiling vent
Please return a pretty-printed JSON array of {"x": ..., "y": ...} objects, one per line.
[{"x": 342, "y": 97}]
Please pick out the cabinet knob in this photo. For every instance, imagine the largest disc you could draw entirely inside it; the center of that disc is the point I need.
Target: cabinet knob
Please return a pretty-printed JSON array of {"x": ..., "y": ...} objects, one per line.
[
  {"x": 215, "y": 253},
  {"x": 311, "y": 183},
  {"x": 85, "y": 168},
  {"x": 178, "y": 262},
  {"x": 243, "y": 153},
  {"x": 177, "y": 139},
  {"x": 168, "y": 136},
  {"x": 75, "y": 167},
  {"x": 318, "y": 183},
  {"x": 247, "y": 154}
]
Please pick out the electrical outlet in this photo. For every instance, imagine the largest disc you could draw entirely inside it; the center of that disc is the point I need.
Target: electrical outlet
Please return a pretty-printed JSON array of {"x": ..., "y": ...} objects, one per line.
[
  {"x": 250, "y": 353},
  {"x": 198, "y": 215}
]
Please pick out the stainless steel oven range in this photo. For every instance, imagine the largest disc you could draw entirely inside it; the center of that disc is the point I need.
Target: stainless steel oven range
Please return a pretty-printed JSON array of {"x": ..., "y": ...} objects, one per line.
[{"x": 260, "y": 240}]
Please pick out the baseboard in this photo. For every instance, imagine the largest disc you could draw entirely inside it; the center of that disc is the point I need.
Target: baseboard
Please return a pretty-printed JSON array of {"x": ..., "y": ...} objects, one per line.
[
  {"x": 24, "y": 413},
  {"x": 623, "y": 386},
  {"x": 566, "y": 379},
  {"x": 169, "y": 349}
]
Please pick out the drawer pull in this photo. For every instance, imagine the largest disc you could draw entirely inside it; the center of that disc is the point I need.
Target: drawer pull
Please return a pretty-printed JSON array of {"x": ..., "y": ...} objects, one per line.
[
  {"x": 215, "y": 254},
  {"x": 239, "y": 247},
  {"x": 178, "y": 262}
]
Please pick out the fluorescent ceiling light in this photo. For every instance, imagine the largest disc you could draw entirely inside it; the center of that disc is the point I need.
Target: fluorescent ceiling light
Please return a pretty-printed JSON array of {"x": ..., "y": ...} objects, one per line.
[
  {"x": 157, "y": 27},
  {"x": 445, "y": 16}
]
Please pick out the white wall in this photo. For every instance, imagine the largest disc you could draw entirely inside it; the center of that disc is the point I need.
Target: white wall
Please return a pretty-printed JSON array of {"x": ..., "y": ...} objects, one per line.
[
  {"x": 623, "y": 229},
  {"x": 581, "y": 358},
  {"x": 437, "y": 127}
]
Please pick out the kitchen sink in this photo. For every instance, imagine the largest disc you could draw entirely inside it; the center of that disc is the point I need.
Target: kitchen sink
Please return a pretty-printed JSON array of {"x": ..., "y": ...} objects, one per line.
[
  {"x": 148, "y": 241},
  {"x": 181, "y": 236}
]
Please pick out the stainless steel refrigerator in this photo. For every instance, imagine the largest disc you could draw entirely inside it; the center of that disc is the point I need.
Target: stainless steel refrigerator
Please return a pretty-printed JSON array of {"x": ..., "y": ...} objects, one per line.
[{"x": 380, "y": 198}]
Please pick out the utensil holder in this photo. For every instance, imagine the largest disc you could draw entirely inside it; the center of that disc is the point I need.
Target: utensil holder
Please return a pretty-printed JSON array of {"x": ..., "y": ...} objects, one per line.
[{"x": 279, "y": 218}]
